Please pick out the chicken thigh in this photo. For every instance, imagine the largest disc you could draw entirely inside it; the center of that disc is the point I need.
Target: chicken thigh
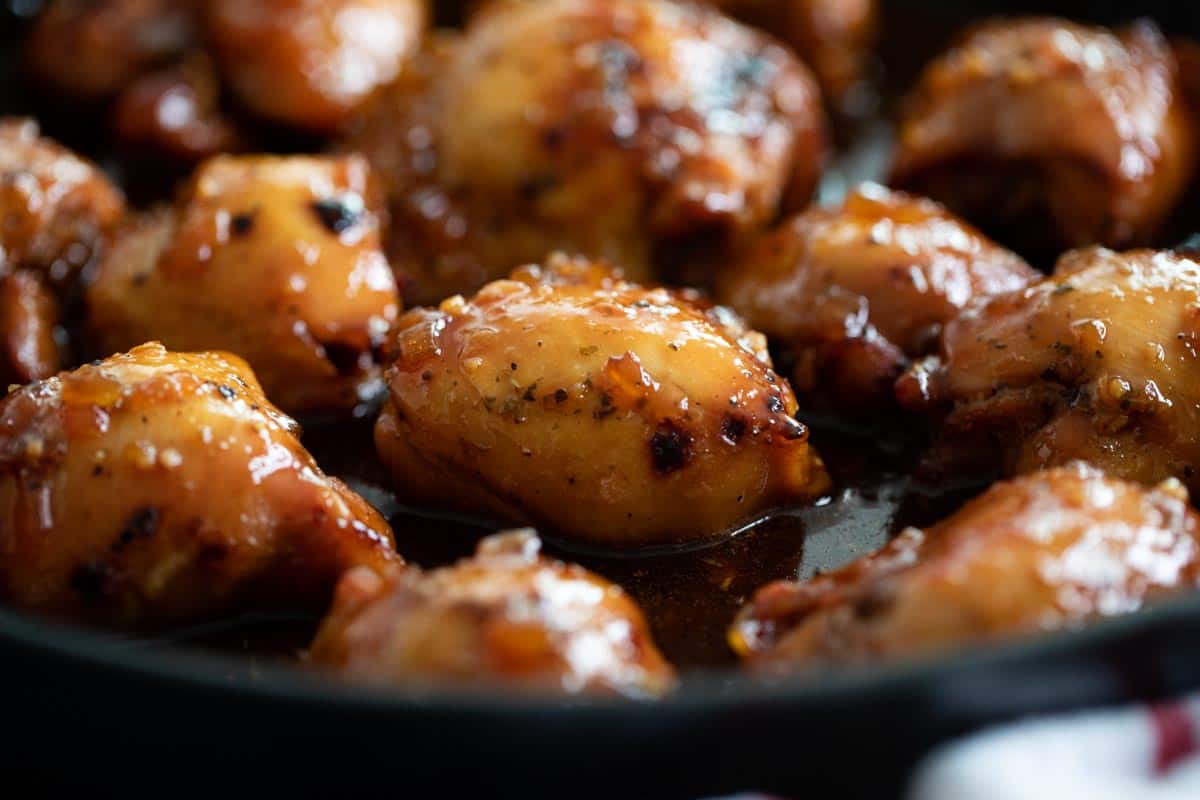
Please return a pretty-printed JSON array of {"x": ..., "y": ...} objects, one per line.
[
  {"x": 157, "y": 487},
  {"x": 602, "y": 411}
]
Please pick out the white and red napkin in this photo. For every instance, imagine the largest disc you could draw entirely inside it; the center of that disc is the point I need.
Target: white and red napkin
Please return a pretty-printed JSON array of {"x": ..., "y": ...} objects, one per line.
[{"x": 1142, "y": 753}]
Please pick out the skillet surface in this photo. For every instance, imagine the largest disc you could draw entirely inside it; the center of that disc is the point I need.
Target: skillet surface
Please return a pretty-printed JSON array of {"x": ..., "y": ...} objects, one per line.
[{"x": 84, "y": 708}]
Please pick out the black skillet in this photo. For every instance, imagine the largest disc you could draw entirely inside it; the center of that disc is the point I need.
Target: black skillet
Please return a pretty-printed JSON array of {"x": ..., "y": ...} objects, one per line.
[{"x": 218, "y": 710}]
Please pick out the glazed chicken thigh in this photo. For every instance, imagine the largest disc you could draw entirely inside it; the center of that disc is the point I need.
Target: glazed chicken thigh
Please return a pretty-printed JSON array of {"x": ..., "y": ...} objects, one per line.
[
  {"x": 312, "y": 63},
  {"x": 1097, "y": 362},
  {"x": 156, "y": 487},
  {"x": 853, "y": 292},
  {"x": 650, "y": 133},
  {"x": 276, "y": 259},
  {"x": 507, "y": 615},
  {"x": 55, "y": 209},
  {"x": 1060, "y": 134},
  {"x": 1047, "y": 551},
  {"x": 570, "y": 398}
]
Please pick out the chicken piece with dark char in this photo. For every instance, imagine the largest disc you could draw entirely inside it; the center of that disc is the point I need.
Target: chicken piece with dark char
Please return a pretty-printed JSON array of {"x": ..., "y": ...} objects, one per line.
[
  {"x": 1050, "y": 134},
  {"x": 1049, "y": 551},
  {"x": 506, "y": 616},
  {"x": 275, "y": 258},
  {"x": 851, "y": 294},
  {"x": 570, "y": 398},
  {"x": 652, "y": 134},
  {"x": 1096, "y": 362},
  {"x": 156, "y": 488}
]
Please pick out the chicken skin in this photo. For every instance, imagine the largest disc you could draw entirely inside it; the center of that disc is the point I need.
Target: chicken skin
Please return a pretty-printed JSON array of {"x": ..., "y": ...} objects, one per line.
[
  {"x": 572, "y": 399},
  {"x": 1057, "y": 134},
  {"x": 276, "y": 259},
  {"x": 54, "y": 206},
  {"x": 156, "y": 487},
  {"x": 1097, "y": 362},
  {"x": 29, "y": 312},
  {"x": 507, "y": 615},
  {"x": 312, "y": 63},
  {"x": 652, "y": 134},
  {"x": 834, "y": 37},
  {"x": 95, "y": 48},
  {"x": 854, "y": 292},
  {"x": 1047, "y": 551}
]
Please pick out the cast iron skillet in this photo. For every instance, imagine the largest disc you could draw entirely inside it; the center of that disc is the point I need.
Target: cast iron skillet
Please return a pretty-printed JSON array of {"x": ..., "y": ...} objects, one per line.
[{"x": 85, "y": 711}]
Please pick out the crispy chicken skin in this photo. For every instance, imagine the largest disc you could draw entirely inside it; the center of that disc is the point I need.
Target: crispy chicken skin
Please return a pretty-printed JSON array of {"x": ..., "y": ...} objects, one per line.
[
  {"x": 854, "y": 292},
  {"x": 507, "y": 615},
  {"x": 54, "y": 206},
  {"x": 1047, "y": 551},
  {"x": 157, "y": 487},
  {"x": 95, "y": 48},
  {"x": 1061, "y": 134},
  {"x": 312, "y": 63},
  {"x": 572, "y": 399},
  {"x": 834, "y": 37},
  {"x": 642, "y": 132},
  {"x": 1097, "y": 362},
  {"x": 276, "y": 259}
]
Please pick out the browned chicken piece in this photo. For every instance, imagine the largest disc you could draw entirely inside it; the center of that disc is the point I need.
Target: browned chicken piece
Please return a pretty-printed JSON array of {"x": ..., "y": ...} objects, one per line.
[
  {"x": 1047, "y": 551},
  {"x": 854, "y": 292},
  {"x": 157, "y": 487},
  {"x": 312, "y": 63},
  {"x": 506, "y": 616},
  {"x": 1097, "y": 362},
  {"x": 835, "y": 37},
  {"x": 1060, "y": 134},
  {"x": 572, "y": 399},
  {"x": 28, "y": 315},
  {"x": 276, "y": 259},
  {"x": 176, "y": 113},
  {"x": 54, "y": 206},
  {"x": 95, "y": 48},
  {"x": 649, "y": 133}
]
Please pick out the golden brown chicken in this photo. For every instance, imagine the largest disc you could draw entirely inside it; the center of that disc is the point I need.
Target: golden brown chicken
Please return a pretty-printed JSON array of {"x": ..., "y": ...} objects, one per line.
[
  {"x": 276, "y": 259},
  {"x": 176, "y": 112},
  {"x": 835, "y": 37},
  {"x": 1048, "y": 551},
  {"x": 506, "y": 615},
  {"x": 568, "y": 397},
  {"x": 1059, "y": 134},
  {"x": 854, "y": 292},
  {"x": 54, "y": 206},
  {"x": 1097, "y": 362},
  {"x": 312, "y": 63},
  {"x": 54, "y": 211},
  {"x": 95, "y": 48},
  {"x": 156, "y": 487},
  {"x": 648, "y": 133}
]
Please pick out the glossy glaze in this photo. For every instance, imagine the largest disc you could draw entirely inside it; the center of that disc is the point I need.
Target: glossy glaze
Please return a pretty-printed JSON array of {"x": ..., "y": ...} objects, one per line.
[
  {"x": 1047, "y": 551},
  {"x": 158, "y": 487},
  {"x": 653, "y": 134},
  {"x": 275, "y": 258},
  {"x": 54, "y": 205},
  {"x": 1073, "y": 134},
  {"x": 568, "y": 398},
  {"x": 29, "y": 311},
  {"x": 312, "y": 63},
  {"x": 855, "y": 291},
  {"x": 1097, "y": 362},
  {"x": 506, "y": 615}
]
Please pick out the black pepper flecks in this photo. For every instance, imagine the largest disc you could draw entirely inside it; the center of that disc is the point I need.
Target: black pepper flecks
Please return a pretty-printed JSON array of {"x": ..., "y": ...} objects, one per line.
[
  {"x": 732, "y": 429},
  {"x": 340, "y": 213},
  {"x": 242, "y": 224},
  {"x": 93, "y": 581}
]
